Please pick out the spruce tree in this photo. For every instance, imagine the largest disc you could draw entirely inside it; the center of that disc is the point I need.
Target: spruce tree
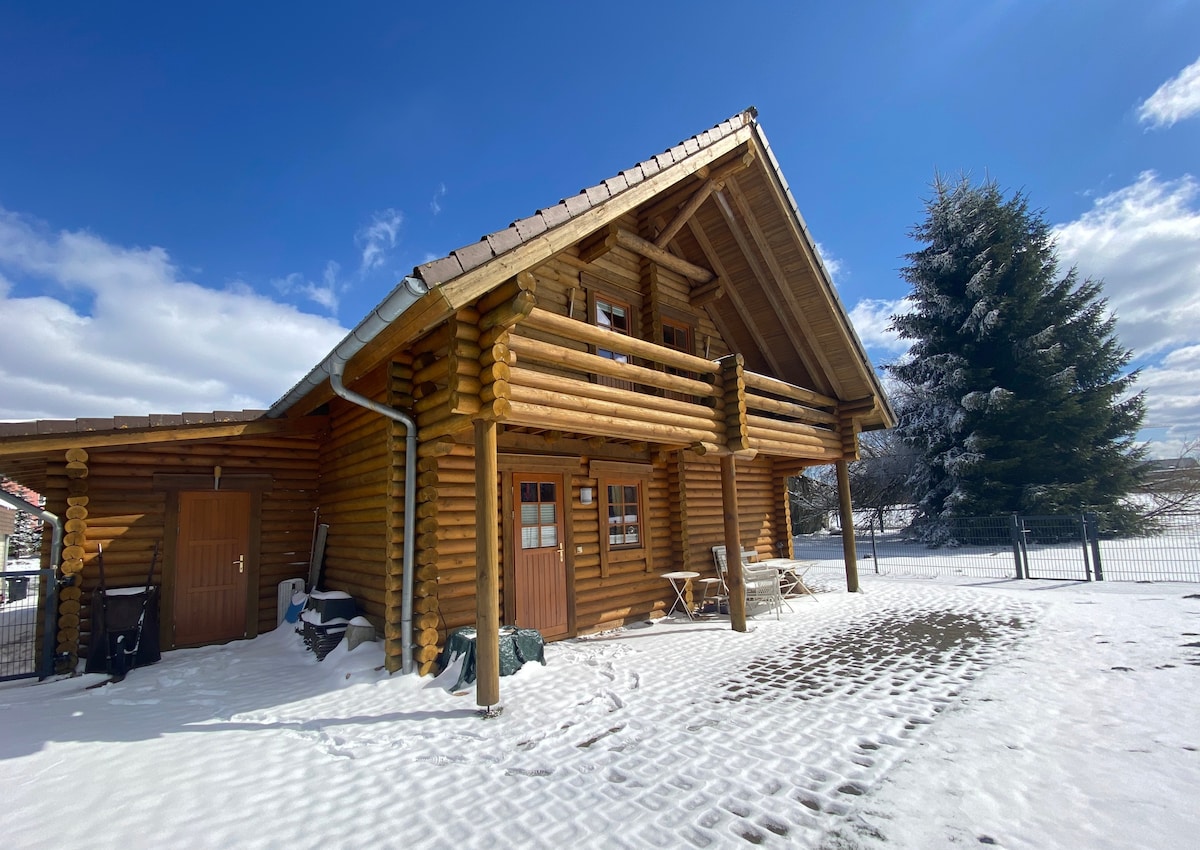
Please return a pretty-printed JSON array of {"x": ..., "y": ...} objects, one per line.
[{"x": 1014, "y": 392}]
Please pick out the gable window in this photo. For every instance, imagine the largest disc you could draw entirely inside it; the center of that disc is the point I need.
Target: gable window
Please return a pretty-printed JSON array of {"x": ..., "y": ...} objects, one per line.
[
  {"x": 677, "y": 336},
  {"x": 624, "y": 514},
  {"x": 614, "y": 316},
  {"x": 613, "y": 313}
]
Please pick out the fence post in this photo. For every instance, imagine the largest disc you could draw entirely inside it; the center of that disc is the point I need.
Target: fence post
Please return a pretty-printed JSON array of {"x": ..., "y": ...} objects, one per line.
[
  {"x": 874, "y": 550},
  {"x": 1091, "y": 526},
  {"x": 1083, "y": 537},
  {"x": 1014, "y": 529}
]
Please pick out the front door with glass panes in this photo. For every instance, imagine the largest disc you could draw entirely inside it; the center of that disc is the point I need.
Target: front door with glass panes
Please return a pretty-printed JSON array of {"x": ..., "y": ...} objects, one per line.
[{"x": 540, "y": 573}]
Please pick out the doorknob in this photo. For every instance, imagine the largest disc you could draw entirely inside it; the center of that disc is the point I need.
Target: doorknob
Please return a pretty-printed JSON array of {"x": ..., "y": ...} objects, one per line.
[{"x": 241, "y": 563}]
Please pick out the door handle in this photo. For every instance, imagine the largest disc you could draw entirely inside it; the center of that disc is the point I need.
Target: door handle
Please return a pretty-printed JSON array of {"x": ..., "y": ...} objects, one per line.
[{"x": 241, "y": 563}]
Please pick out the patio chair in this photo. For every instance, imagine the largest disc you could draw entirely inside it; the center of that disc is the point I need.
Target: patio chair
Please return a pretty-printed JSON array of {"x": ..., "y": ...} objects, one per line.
[
  {"x": 762, "y": 582},
  {"x": 763, "y": 588}
]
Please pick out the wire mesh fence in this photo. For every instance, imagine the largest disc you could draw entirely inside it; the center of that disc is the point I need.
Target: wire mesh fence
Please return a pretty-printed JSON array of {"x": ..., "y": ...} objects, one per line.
[
  {"x": 1050, "y": 547},
  {"x": 18, "y": 624},
  {"x": 1170, "y": 554}
]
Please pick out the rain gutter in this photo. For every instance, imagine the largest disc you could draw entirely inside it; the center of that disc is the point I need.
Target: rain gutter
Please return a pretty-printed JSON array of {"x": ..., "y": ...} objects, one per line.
[
  {"x": 404, "y": 296},
  {"x": 49, "y": 633}
]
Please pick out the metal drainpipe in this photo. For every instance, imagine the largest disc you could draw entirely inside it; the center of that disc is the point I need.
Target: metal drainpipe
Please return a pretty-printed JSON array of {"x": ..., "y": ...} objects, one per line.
[{"x": 410, "y": 498}]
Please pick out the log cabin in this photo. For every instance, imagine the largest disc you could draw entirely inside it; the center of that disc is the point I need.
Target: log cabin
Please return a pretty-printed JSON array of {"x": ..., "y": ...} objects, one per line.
[{"x": 530, "y": 430}]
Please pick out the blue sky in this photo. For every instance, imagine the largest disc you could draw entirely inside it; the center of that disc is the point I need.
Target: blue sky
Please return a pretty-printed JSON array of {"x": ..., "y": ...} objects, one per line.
[{"x": 196, "y": 202}]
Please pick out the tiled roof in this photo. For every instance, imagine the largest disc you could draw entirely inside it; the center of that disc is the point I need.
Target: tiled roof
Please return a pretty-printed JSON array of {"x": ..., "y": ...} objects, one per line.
[
  {"x": 494, "y": 244},
  {"x": 119, "y": 423}
]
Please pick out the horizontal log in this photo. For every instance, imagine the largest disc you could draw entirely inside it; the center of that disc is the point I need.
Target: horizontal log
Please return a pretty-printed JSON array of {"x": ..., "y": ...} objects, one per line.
[
  {"x": 551, "y": 354},
  {"x": 543, "y": 416},
  {"x": 510, "y": 313},
  {"x": 636, "y": 412},
  {"x": 572, "y": 329},
  {"x": 771, "y": 385},
  {"x": 800, "y": 429},
  {"x": 776, "y": 448},
  {"x": 630, "y": 241},
  {"x": 588, "y": 389},
  {"x": 790, "y": 409},
  {"x": 523, "y": 282}
]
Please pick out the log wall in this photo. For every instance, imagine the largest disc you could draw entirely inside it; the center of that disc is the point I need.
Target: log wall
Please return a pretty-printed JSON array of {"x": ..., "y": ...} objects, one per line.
[
  {"x": 111, "y": 499},
  {"x": 356, "y": 465}
]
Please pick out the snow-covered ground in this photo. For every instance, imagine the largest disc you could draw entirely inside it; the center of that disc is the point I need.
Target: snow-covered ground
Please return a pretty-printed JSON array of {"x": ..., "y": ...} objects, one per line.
[{"x": 921, "y": 713}]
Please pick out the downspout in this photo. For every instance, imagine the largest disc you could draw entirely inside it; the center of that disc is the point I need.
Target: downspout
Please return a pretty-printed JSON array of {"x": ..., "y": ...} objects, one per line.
[
  {"x": 407, "y": 292},
  {"x": 410, "y": 498},
  {"x": 49, "y": 635}
]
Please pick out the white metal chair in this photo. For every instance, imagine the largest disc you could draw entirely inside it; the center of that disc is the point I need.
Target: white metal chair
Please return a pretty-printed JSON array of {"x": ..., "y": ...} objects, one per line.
[
  {"x": 762, "y": 583},
  {"x": 762, "y": 588}
]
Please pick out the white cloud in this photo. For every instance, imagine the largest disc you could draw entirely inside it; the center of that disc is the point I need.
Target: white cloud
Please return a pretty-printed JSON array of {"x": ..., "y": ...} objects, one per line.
[
  {"x": 326, "y": 293},
  {"x": 1144, "y": 242},
  {"x": 377, "y": 238},
  {"x": 872, "y": 320},
  {"x": 1172, "y": 403},
  {"x": 435, "y": 206},
  {"x": 116, "y": 331},
  {"x": 1176, "y": 99},
  {"x": 832, "y": 264}
]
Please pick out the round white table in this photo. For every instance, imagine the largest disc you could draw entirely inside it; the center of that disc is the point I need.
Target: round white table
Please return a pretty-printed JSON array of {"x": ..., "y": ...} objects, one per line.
[{"x": 680, "y": 583}]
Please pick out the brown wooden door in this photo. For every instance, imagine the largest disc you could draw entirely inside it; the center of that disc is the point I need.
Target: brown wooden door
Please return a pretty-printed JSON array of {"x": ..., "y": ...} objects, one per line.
[
  {"x": 210, "y": 567},
  {"x": 540, "y": 573}
]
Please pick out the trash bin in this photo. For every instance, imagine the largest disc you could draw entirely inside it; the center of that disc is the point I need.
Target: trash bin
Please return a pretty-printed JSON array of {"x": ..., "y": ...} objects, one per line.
[{"x": 18, "y": 588}]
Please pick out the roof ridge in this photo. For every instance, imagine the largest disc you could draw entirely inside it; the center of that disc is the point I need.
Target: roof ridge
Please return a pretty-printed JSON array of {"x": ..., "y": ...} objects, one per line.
[{"x": 491, "y": 245}]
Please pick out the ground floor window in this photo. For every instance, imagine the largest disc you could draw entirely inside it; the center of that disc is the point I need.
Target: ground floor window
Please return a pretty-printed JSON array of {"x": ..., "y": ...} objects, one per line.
[{"x": 624, "y": 514}]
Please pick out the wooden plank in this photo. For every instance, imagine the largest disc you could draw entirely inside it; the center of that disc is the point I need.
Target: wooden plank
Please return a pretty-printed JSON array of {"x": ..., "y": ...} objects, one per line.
[
  {"x": 34, "y": 444},
  {"x": 808, "y": 343}
]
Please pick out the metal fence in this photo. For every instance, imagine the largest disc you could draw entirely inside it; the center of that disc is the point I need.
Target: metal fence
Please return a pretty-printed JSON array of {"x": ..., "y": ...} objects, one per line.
[
  {"x": 1048, "y": 547},
  {"x": 19, "y": 650}
]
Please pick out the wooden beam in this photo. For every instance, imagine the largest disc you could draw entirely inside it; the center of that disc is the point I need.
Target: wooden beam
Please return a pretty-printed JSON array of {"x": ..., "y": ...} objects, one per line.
[
  {"x": 487, "y": 567},
  {"x": 773, "y": 385},
  {"x": 632, "y": 242},
  {"x": 734, "y": 580},
  {"x": 739, "y": 306},
  {"x": 806, "y": 342},
  {"x": 685, "y": 212},
  {"x": 36, "y": 444},
  {"x": 598, "y": 244},
  {"x": 846, "y": 510},
  {"x": 702, "y": 296},
  {"x": 545, "y": 320}
]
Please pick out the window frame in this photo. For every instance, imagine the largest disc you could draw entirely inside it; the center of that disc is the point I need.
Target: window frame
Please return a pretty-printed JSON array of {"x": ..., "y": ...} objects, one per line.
[{"x": 620, "y": 473}]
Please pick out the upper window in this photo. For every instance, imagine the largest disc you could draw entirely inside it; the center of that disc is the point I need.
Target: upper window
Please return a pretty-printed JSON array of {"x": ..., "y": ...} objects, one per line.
[
  {"x": 677, "y": 336},
  {"x": 616, "y": 316}
]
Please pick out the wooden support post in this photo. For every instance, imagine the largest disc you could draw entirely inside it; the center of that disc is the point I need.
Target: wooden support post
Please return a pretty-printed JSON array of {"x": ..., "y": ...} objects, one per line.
[
  {"x": 487, "y": 561},
  {"x": 847, "y": 514},
  {"x": 734, "y": 579}
]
